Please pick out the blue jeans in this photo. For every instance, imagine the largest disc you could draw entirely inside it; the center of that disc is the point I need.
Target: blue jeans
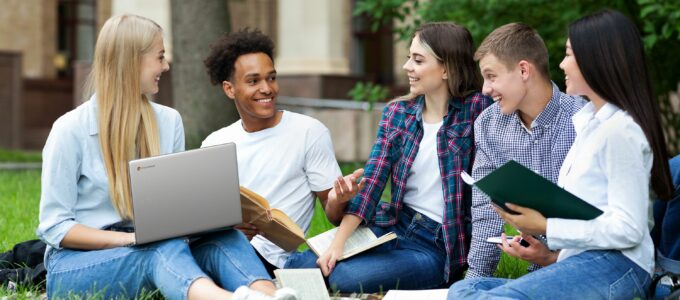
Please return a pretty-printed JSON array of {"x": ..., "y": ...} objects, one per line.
[
  {"x": 170, "y": 266},
  {"x": 415, "y": 260},
  {"x": 594, "y": 274}
]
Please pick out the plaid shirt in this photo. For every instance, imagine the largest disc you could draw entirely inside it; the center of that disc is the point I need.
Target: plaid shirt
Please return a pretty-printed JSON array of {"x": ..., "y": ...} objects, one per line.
[
  {"x": 500, "y": 138},
  {"x": 399, "y": 134}
]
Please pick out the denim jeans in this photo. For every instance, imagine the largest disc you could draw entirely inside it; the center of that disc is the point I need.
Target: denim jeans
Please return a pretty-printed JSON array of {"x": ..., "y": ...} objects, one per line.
[
  {"x": 170, "y": 266},
  {"x": 415, "y": 260},
  {"x": 594, "y": 274}
]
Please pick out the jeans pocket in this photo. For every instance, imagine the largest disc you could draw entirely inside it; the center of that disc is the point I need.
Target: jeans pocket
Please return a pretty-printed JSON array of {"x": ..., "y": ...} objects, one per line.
[{"x": 626, "y": 287}]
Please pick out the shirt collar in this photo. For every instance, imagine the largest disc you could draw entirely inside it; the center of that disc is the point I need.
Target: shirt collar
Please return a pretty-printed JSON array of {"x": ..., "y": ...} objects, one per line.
[
  {"x": 415, "y": 106},
  {"x": 588, "y": 114}
]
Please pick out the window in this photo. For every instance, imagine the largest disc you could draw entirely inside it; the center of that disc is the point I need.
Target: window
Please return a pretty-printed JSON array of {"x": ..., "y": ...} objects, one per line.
[{"x": 76, "y": 34}]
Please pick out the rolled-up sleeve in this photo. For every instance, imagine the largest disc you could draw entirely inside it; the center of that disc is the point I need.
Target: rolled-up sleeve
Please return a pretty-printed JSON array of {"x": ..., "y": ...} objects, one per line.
[{"x": 60, "y": 173}]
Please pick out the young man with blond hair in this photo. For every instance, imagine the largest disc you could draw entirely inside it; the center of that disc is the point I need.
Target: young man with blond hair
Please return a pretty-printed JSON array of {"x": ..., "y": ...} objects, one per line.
[{"x": 529, "y": 123}]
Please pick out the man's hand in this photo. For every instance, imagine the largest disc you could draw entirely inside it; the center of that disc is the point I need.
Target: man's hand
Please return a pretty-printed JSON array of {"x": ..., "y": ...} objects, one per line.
[
  {"x": 249, "y": 230},
  {"x": 536, "y": 252},
  {"x": 527, "y": 220},
  {"x": 345, "y": 188}
]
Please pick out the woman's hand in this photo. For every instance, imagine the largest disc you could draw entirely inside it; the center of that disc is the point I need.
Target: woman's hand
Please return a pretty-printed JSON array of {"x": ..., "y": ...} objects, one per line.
[
  {"x": 345, "y": 188},
  {"x": 327, "y": 260},
  {"x": 527, "y": 220},
  {"x": 87, "y": 238},
  {"x": 127, "y": 239},
  {"x": 537, "y": 252}
]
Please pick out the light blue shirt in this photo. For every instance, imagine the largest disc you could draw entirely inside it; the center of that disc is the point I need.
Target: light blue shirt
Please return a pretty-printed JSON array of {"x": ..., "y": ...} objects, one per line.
[{"x": 74, "y": 184}]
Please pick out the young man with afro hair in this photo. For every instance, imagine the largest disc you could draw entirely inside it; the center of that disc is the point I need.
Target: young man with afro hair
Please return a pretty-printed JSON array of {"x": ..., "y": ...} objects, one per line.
[{"x": 286, "y": 157}]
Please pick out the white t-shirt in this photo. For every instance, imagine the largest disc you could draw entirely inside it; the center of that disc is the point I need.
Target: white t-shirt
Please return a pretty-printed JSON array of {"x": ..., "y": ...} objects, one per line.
[
  {"x": 609, "y": 167},
  {"x": 285, "y": 164},
  {"x": 424, "y": 191}
]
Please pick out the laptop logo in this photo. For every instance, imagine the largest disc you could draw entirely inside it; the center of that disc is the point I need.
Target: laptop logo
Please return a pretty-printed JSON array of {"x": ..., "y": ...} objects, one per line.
[{"x": 139, "y": 168}]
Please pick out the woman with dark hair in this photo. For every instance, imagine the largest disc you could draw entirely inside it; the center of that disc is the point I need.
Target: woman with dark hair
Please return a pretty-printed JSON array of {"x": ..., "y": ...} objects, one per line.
[
  {"x": 618, "y": 149},
  {"x": 424, "y": 141}
]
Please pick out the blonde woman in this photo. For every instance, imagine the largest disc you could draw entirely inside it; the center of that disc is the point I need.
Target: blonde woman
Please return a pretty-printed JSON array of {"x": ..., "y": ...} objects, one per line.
[{"x": 85, "y": 207}]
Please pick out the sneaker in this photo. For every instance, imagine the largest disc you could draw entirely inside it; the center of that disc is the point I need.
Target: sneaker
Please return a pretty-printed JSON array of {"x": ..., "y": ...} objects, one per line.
[{"x": 244, "y": 293}]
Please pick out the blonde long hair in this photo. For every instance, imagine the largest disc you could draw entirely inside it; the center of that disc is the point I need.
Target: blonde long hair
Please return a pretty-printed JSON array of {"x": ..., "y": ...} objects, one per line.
[{"x": 126, "y": 120}]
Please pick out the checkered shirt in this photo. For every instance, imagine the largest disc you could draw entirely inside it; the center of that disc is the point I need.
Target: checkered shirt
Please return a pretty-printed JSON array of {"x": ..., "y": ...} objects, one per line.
[
  {"x": 500, "y": 138},
  {"x": 399, "y": 134}
]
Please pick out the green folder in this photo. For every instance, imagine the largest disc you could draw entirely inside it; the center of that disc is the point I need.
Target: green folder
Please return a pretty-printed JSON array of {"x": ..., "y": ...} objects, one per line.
[{"x": 514, "y": 183}]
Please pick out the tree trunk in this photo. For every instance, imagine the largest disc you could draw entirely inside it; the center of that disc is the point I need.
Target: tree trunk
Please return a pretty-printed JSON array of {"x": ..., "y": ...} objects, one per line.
[{"x": 204, "y": 107}]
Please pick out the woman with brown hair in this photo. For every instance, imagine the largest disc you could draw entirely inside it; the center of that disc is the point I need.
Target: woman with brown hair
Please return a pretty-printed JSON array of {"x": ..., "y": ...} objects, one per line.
[{"x": 424, "y": 141}]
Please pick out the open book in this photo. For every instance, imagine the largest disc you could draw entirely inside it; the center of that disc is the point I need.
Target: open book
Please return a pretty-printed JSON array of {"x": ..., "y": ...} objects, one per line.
[
  {"x": 276, "y": 225},
  {"x": 361, "y": 240},
  {"x": 514, "y": 183},
  {"x": 308, "y": 283}
]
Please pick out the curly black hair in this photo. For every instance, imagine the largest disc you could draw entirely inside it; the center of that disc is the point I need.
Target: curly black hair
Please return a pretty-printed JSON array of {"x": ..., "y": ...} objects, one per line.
[{"x": 225, "y": 51}]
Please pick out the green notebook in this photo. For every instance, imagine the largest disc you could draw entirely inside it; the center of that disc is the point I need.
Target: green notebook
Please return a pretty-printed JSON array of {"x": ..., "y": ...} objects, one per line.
[{"x": 514, "y": 183}]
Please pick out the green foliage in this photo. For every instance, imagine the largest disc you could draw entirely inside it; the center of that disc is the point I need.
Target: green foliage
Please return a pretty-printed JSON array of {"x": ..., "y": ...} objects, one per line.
[
  {"x": 660, "y": 23},
  {"x": 368, "y": 92},
  {"x": 658, "y": 20}
]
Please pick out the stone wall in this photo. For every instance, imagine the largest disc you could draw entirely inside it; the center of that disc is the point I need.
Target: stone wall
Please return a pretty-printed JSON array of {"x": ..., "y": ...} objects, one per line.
[{"x": 29, "y": 27}]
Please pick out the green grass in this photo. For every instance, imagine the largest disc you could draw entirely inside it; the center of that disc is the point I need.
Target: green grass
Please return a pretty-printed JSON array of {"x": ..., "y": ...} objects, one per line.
[
  {"x": 19, "y": 204},
  {"x": 19, "y": 156},
  {"x": 19, "y": 199}
]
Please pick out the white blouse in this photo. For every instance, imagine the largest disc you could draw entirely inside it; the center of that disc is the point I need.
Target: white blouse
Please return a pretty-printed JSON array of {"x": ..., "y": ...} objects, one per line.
[{"x": 609, "y": 167}]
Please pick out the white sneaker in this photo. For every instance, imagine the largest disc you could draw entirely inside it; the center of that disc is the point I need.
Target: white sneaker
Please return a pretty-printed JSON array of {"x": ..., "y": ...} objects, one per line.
[{"x": 245, "y": 293}]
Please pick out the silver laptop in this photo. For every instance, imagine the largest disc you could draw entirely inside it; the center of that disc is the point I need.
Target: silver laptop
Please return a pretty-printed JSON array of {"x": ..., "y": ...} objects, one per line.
[{"x": 185, "y": 193}]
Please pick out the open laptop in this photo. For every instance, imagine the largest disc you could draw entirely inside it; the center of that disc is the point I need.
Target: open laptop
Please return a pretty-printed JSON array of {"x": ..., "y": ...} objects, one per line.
[{"x": 185, "y": 193}]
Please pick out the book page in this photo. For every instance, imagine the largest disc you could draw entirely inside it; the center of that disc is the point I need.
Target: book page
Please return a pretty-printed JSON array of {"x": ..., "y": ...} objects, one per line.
[
  {"x": 254, "y": 208},
  {"x": 438, "y": 294},
  {"x": 308, "y": 283},
  {"x": 276, "y": 226},
  {"x": 467, "y": 178},
  {"x": 361, "y": 240}
]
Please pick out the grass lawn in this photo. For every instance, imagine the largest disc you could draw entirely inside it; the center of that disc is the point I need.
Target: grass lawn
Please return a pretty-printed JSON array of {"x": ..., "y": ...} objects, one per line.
[
  {"x": 19, "y": 156},
  {"x": 20, "y": 197}
]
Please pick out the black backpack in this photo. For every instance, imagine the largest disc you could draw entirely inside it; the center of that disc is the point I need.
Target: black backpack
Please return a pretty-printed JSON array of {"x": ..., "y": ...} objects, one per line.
[{"x": 23, "y": 265}]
